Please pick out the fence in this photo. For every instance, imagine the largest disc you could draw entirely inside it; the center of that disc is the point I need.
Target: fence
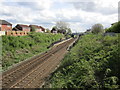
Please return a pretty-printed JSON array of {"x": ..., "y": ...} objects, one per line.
[
  {"x": 16, "y": 33},
  {"x": 2, "y": 33}
]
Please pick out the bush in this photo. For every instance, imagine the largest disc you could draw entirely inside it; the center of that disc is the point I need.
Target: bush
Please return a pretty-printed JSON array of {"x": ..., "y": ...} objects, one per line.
[
  {"x": 92, "y": 63},
  {"x": 114, "y": 28}
]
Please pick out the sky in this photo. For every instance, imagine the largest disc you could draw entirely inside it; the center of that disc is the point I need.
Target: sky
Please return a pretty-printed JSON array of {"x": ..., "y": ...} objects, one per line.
[{"x": 80, "y": 14}]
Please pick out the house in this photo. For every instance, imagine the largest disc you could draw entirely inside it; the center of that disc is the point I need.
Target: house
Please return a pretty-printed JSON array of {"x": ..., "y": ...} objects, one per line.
[
  {"x": 37, "y": 28},
  {"x": 53, "y": 30},
  {"x": 21, "y": 27},
  {"x": 43, "y": 29},
  {"x": 61, "y": 31},
  {"x": 5, "y": 26},
  {"x": 88, "y": 31}
]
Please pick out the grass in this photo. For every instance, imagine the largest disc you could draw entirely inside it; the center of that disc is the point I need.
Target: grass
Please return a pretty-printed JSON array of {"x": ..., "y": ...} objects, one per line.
[{"x": 17, "y": 49}]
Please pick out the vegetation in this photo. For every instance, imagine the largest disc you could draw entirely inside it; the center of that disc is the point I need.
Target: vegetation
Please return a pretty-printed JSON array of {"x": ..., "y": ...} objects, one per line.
[
  {"x": 33, "y": 29},
  {"x": 16, "y": 49},
  {"x": 92, "y": 63},
  {"x": 97, "y": 28},
  {"x": 48, "y": 30},
  {"x": 114, "y": 28},
  {"x": 62, "y": 27}
]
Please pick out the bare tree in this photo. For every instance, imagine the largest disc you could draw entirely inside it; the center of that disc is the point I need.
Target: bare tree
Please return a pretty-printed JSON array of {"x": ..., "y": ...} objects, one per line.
[
  {"x": 62, "y": 27},
  {"x": 97, "y": 28}
]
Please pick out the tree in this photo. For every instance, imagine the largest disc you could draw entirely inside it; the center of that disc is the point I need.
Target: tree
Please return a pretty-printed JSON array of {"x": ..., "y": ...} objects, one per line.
[
  {"x": 97, "y": 28},
  {"x": 69, "y": 31},
  {"x": 62, "y": 27},
  {"x": 33, "y": 29},
  {"x": 114, "y": 28},
  {"x": 47, "y": 30}
]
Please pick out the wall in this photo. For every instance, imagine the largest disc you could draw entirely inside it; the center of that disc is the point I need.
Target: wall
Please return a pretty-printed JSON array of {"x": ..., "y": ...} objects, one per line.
[
  {"x": 26, "y": 29},
  {"x": 6, "y": 28},
  {"x": 2, "y": 33},
  {"x": 16, "y": 33},
  {"x": 38, "y": 30}
]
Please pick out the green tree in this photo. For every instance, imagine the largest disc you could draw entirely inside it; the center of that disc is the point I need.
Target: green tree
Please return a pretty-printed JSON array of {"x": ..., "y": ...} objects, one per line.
[
  {"x": 47, "y": 30},
  {"x": 114, "y": 28},
  {"x": 33, "y": 29},
  {"x": 97, "y": 28}
]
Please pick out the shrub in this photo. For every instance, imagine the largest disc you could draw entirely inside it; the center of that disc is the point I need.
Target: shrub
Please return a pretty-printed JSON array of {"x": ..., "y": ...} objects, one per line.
[
  {"x": 92, "y": 63},
  {"x": 114, "y": 28}
]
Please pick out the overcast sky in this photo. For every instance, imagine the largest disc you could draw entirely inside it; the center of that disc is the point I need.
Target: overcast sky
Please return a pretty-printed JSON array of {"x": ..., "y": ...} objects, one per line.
[{"x": 80, "y": 14}]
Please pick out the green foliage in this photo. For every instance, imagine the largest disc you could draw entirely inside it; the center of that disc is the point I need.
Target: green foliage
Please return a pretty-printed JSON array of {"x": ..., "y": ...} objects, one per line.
[
  {"x": 114, "y": 28},
  {"x": 92, "y": 63},
  {"x": 97, "y": 28},
  {"x": 47, "y": 30},
  {"x": 16, "y": 49},
  {"x": 33, "y": 29}
]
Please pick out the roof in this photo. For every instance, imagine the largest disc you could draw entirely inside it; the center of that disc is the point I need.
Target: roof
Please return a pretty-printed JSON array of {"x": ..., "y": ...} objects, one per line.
[
  {"x": 36, "y": 26},
  {"x": 42, "y": 27},
  {"x": 23, "y": 25},
  {"x": 5, "y": 22}
]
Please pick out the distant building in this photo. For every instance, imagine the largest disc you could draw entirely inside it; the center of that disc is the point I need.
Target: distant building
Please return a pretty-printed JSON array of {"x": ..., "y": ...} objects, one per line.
[
  {"x": 21, "y": 27},
  {"x": 88, "y": 30},
  {"x": 37, "y": 28},
  {"x": 53, "y": 30},
  {"x": 5, "y": 26},
  {"x": 61, "y": 31}
]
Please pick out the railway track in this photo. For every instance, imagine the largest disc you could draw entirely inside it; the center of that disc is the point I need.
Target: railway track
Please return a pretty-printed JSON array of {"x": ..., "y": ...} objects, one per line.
[{"x": 30, "y": 74}]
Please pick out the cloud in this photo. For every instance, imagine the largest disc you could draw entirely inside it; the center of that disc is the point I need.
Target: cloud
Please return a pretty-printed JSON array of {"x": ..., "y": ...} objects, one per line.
[
  {"x": 25, "y": 12},
  {"x": 98, "y": 7},
  {"x": 40, "y": 5},
  {"x": 87, "y": 6},
  {"x": 80, "y": 14}
]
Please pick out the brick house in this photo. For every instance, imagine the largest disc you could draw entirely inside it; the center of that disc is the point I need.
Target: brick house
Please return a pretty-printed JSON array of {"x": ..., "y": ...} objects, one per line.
[
  {"x": 37, "y": 28},
  {"x": 21, "y": 27},
  {"x": 5, "y": 26}
]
